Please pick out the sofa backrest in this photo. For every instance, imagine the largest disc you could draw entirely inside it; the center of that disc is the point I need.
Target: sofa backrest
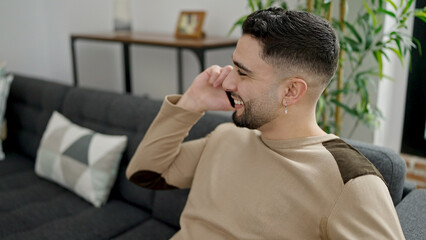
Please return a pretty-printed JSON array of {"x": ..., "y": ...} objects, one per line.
[{"x": 29, "y": 107}]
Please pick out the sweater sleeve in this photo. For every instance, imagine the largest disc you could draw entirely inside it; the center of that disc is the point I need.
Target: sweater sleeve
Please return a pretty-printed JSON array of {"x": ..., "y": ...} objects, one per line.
[
  {"x": 162, "y": 160},
  {"x": 364, "y": 211}
]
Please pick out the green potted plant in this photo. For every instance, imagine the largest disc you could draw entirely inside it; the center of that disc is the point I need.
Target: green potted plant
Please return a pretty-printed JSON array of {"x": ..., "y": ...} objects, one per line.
[{"x": 349, "y": 91}]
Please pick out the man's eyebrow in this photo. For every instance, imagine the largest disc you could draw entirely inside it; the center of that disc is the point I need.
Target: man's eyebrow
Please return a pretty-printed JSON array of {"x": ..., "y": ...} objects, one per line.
[{"x": 241, "y": 66}]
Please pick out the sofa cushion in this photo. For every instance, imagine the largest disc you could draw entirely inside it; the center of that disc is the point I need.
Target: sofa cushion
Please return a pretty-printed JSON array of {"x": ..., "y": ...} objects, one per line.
[
  {"x": 168, "y": 205},
  {"x": 151, "y": 229},
  {"x": 34, "y": 208},
  {"x": 68, "y": 217},
  {"x": 15, "y": 162},
  {"x": 30, "y": 104},
  {"x": 412, "y": 215},
  {"x": 79, "y": 159},
  {"x": 389, "y": 164},
  {"x": 142, "y": 197}
]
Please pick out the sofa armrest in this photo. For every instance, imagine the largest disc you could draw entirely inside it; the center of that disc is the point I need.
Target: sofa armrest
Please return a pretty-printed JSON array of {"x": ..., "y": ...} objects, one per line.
[
  {"x": 412, "y": 214},
  {"x": 409, "y": 186}
]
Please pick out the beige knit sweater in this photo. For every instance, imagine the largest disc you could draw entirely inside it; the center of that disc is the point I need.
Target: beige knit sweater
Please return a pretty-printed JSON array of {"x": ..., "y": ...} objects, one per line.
[{"x": 244, "y": 186}]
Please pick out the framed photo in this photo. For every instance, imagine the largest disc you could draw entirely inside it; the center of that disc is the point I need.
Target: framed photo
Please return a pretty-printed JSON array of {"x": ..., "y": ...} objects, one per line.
[{"x": 190, "y": 24}]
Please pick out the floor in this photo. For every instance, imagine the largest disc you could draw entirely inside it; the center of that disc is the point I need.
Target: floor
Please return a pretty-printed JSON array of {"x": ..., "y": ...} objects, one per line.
[{"x": 416, "y": 169}]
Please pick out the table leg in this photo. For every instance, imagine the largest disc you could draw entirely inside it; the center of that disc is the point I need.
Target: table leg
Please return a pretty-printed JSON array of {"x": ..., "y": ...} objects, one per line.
[
  {"x": 201, "y": 57},
  {"x": 202, "y": 60},
  {"x": 127, "y": 68},
  {"x": 74, "y": 62},
  {"x": 199, "y": 53},
  {"x": 179, "y": 69}
]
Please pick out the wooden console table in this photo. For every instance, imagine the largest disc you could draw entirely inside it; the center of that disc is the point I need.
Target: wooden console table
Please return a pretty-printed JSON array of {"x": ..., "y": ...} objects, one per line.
[{"x": 198, "y": 47}]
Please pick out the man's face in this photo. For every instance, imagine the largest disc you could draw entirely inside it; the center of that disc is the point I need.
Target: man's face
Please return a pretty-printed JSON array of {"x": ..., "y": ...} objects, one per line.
[{"x": 254, "y": 86}]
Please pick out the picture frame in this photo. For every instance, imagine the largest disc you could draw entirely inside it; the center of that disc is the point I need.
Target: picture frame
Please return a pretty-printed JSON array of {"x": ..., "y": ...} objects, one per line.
[{"x": 190, "y": 24}]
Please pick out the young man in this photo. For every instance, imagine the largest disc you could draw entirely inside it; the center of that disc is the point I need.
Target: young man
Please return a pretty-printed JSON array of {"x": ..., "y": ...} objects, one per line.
[{"x": 276, "y": 174}]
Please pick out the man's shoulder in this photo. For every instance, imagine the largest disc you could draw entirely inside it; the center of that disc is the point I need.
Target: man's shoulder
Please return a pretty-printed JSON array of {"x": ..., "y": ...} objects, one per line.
[{"x": 351, "y": 162}]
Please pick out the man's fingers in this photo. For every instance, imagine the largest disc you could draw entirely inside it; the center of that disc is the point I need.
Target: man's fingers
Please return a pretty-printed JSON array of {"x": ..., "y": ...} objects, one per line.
[
  {"x": 214, "y": 72},
  {"x": 223, "y": 74},
  {"x": 214, "y": 75},
  {"x": 206, "y": 93}
]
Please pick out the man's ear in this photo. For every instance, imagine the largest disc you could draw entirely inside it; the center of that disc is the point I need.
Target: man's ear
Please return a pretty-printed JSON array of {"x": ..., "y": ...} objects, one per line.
[{"x": 295, "y": 89}]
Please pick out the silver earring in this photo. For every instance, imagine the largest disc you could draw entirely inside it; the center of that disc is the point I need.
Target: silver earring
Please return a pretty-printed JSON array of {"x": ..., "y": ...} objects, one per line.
[{"x": 285, "y": 109}]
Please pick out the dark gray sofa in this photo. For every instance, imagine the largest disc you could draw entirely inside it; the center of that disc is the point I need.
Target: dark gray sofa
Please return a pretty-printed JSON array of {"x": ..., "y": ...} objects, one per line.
[{"x": 34, "y": 208}]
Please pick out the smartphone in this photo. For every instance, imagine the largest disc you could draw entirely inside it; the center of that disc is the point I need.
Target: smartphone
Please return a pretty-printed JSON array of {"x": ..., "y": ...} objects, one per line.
[{"x": 231, "y": 100}]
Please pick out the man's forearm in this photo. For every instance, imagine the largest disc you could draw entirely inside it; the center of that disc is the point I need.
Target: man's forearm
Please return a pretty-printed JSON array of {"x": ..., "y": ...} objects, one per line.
[{"x": 162, "y": 145}]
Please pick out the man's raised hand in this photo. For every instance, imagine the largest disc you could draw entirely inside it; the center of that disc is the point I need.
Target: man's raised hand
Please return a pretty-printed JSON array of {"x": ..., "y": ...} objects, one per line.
[{"x": 206, "y": 92}]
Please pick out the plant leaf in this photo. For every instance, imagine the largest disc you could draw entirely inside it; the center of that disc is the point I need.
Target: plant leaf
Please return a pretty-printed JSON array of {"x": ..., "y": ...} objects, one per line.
[
  {"x": 377, "y": 30},
  {"x": 393, "y": 4},
  {"x": 384, "y": 76},
  {"x": 239, "y": 22},
  {"x": 419, "y": 45},
  {"x": 407, "y": 7},
  {"x": 354, "y": 45},
  {"x": 421, "y": 14},
  {"x": 259, "y": 4},
  {"x": 368, "y": 40},
  {"x": 370, "y": 12},
  {"x": 378, "y": 57},
  {"x": 353, "y": 31},
  {"x": 320, "y": 107},
  {"x": 269, "y": 3},
  {"x": 398, "y": 53},
  {"x": 386, "y": 12},
  {"x": 398, "y": 43},
  {"x": 326, "y": 6},
  {"x": 345, "y": 91},
  {"x": 251, "y": 4},
  {"x": 345, "y": 107},
  {"x": 384, "y": 54}
]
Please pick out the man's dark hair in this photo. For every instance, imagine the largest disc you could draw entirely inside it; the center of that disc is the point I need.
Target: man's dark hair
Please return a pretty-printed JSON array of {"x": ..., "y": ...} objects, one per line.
[{"x": 295, "y": 40}]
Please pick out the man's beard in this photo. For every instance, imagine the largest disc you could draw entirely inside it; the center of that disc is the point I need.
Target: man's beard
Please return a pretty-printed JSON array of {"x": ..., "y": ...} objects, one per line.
[{"x": 257, "y": 112}]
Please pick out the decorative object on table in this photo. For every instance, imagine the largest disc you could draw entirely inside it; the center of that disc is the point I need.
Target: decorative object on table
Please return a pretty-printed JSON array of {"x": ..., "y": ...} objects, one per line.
[
  {"x": 122, "y": 16},
  {"x": 350, "y": 89},
  {"x": 79, "y": 159},
  {"x": 190, "y": 24},
  {"x": 5, "y": 81}
]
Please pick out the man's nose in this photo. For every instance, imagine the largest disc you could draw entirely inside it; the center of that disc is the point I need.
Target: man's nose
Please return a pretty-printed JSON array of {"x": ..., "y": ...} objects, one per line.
[{"x": 230, "y": 82}]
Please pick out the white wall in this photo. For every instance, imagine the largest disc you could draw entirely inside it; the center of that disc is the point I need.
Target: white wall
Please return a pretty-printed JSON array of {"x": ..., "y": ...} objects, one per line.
[
  {"x": 23, "y": 36},
  {"x": 391, "y": 96},
  {"x": 35, "y": 41},
  {"x": 35, "y": 34},
  {"x": 65, "y": 17}
]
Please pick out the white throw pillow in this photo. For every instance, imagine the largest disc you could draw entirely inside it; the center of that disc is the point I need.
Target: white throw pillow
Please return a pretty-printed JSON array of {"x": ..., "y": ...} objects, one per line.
[
  {"x": 79, "y": 159},
  {"x": 5, "y": 81}
]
